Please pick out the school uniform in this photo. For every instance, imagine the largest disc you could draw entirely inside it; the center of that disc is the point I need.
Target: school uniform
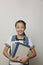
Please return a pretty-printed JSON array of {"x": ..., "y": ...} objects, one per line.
[{"x": 7, "y": 43}]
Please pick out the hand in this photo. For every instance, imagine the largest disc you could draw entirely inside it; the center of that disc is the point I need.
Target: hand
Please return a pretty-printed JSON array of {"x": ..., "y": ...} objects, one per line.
[
  {"x": 14, "y": 59},
  {"x": 24, "y": 60}
]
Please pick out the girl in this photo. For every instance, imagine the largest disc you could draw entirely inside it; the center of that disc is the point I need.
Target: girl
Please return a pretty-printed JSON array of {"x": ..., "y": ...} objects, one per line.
[{"x": 20, "y": 26}]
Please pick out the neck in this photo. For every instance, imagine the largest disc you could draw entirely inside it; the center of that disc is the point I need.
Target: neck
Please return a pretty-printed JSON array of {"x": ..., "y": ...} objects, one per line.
[{"x": 20, "y": 36}]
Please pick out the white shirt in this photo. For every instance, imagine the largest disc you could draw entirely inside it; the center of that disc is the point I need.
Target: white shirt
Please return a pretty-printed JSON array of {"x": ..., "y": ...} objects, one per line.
[{"x": 8, "y": 44}]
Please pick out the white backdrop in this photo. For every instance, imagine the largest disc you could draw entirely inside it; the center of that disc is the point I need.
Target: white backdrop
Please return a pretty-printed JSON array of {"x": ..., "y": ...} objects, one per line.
[{"x": 30, "y": 11}]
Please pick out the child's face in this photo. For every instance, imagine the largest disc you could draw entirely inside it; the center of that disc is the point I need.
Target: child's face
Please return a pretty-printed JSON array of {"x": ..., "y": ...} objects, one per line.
[{"x": 20, "y": 28}]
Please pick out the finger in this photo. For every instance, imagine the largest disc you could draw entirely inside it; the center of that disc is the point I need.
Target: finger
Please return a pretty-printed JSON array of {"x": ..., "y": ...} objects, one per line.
[
  {"x": 20, "y": 59},
  {"x": 17, "y": 57}
]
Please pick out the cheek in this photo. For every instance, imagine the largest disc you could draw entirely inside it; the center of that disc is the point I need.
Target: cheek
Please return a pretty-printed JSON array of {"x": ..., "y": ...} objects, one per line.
[
  {"x": 17, "y": 30},
  {"x": 22, "y": 29}
]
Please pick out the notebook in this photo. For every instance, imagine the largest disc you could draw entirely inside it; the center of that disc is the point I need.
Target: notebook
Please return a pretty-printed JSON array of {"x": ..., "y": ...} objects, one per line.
[
  {"x": 19, "y": 49},
  {"x": 22, "y": 51},
  {"x": 14, "y": 46}
]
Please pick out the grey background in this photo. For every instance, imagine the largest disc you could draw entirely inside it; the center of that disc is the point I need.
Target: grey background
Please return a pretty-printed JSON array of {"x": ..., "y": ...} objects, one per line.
[{"x": 30, "y": 11}]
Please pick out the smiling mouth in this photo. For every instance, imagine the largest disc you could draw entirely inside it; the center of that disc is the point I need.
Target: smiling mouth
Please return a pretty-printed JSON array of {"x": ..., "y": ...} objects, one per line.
[{"x": 20, "y": 31}]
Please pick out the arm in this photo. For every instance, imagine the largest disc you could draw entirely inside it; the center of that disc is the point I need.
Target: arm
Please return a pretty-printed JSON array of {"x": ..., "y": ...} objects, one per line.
[
  {"x": 33, "y": 51},
  {"x": 5, "y": 52},
  {"x": 32, "y": 55}
]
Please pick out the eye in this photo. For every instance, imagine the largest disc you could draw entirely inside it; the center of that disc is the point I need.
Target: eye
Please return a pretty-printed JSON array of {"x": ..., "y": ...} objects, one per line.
[
  {"x": 22, "y": 26},
  {"x": 17, "y": 27}
]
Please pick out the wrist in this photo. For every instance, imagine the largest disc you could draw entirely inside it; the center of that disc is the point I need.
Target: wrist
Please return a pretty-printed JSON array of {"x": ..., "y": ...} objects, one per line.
[{"x": 9, "y": 58}]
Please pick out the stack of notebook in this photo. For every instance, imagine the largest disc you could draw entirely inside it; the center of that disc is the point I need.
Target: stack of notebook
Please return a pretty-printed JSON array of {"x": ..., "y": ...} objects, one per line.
[{"x": 19, "y": 49}]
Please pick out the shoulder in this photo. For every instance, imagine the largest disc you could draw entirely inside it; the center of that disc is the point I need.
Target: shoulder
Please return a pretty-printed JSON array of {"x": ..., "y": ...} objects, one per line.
[
  {"x": 12, "y": 36},
  {"x": 30, "y": 43},
  {"x": 8, "y": 42},
  {"x": 9, "y": 39}
]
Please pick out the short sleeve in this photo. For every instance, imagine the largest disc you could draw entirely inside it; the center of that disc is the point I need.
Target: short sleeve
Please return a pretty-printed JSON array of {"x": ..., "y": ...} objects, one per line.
[
  {"x": 30, "y": 44},
  {"x": 7, "y": 43}
]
